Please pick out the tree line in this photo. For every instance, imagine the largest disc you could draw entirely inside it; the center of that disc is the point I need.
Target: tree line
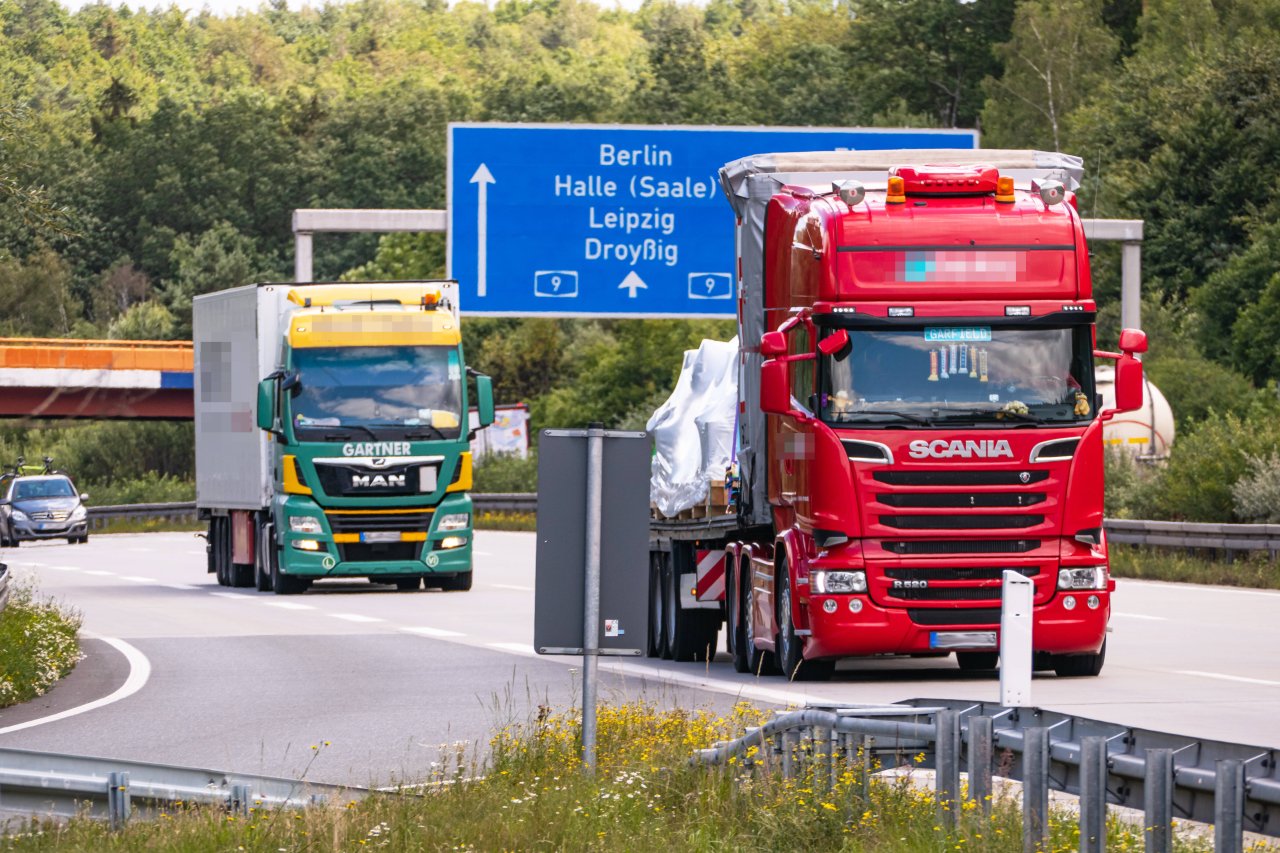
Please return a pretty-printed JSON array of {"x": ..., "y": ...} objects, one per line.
[{"x": 146, "y": 157}]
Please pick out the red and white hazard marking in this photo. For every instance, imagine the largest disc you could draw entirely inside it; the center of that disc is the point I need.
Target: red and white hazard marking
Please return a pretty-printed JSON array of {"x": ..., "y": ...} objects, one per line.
[{"x": 711, "y": 575}]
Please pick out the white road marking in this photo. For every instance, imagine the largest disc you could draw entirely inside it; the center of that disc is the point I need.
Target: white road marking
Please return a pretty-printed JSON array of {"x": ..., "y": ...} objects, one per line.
[
  {"x": 356, "y": 617},
  {"x": 139, "y": 672},
  {"x": 141, "y": 550},
  {"x": 518, "y": 648},
  {"x": 434, "y": 632},
  {"x": 1242, "y": 679},
  {"x": 179, "y": 586},
  {"x": 1142, "y": 616},
  {"x": 510, "y": 586},
  {"x": 231, "y": 595},
  {"x": 100, "y": 573},
  {"x": 62, "y": 568},
  {"x": 140, "y": 579},
  {"x": 289, "y": 605}
]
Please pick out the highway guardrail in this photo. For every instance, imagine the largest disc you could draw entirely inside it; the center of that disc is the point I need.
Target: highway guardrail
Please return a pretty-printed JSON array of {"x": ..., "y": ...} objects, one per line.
[
  {"x": 56, "y": 785},
  {"x": 1232, "y": 786}
]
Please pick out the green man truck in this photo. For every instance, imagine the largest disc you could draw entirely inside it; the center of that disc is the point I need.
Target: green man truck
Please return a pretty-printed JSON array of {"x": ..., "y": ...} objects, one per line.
[{"x": 332, "y": 434}]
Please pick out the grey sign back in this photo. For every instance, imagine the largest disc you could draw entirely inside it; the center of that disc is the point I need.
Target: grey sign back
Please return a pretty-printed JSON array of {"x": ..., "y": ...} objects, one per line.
[{"x": 559, "y": 596}]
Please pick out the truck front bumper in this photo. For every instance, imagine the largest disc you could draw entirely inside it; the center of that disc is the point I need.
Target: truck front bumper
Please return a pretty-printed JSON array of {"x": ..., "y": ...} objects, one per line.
[{"x": 877, "y": 630}]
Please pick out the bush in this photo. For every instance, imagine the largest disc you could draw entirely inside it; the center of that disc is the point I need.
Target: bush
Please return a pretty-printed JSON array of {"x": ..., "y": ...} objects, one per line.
[
  {"x": 38, "y": 646},
  {"x": 1207, "y": 462},
  {"x": 150, "y": 488},
  {"x": 1195, "y": 386},
  {"x": 1257, "y": 494},
  {"x": 505, "y": 472}
]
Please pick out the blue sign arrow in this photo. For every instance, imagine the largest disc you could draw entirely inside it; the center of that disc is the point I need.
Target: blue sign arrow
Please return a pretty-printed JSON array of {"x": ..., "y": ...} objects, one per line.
[{"x": 613, "y": 220}]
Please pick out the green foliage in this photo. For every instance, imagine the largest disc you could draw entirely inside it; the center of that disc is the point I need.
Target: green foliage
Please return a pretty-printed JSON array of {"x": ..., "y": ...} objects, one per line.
[
  {"x": 38, "y": 645},
  {"x": 1253, "y": 569},
  {"x": 1257, "y": 493},
  {"x": 144, "y": 321},
  {"x": 502, "y": 473},
  {"x": 1195, "y": 386},
  {"x": 148, "y": 488},
  {"x": 1209, "y": 459},
  {"x": 35, "y": 296},
  {"x": 101, "y": 454}
]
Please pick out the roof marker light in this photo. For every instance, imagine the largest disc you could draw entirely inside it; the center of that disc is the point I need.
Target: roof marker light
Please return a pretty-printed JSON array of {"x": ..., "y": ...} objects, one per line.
[
  {"x": 902, "y": 312},
  {"x": 1004, "y": 189},
  {"x": 897, "y": 191},
  {"x": 1017, "y": 311},
  {"x": 851, "y": 192}
]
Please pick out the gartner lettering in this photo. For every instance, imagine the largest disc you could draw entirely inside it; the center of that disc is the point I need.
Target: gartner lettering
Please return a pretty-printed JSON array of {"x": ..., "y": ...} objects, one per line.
[
  {"x": 627, "y": 221},
  {"x": 649, "y": 155},
  {"x": 376, "y": 448},
  {"x": 647, "y": 186},
  {"x": 943, "y": 449}
]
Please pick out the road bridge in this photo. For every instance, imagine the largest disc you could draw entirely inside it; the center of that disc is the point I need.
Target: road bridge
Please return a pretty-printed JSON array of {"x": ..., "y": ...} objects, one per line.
[{"x": 66, "y": 378}]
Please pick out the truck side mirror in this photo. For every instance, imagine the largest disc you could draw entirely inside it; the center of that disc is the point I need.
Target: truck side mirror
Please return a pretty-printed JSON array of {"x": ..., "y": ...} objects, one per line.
[
  {"x": 836, "y": 344},
  {"x": 773, "y": 344},
  {"x": 484, "y": 399},
  {"x": 267, "y": 405},
  {"x": 1128, "y": 382},
  {"x": 1133, "y": 341},
  {"x": 775, "y": 388}
]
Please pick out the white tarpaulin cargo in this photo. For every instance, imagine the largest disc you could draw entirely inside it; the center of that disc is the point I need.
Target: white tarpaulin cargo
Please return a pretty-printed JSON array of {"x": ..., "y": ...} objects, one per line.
[{"x": 693, "y": 431}]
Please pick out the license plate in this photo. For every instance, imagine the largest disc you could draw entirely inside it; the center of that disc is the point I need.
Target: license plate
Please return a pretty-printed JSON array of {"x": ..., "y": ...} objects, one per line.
[
  {"x": 47, "y": 525},
  {"x": 962, "y": 640},
  {"x": 380, "y": 536}
]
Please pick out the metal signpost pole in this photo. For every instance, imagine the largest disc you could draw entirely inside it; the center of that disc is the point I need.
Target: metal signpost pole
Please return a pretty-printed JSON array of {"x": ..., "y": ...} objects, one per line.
[{"x": 591, "y": 610}]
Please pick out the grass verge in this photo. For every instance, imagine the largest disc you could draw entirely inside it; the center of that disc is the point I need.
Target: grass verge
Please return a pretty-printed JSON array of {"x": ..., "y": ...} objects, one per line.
[
  {"x": 1249, "y": 569},
  {"x": 532, "y": 794},
  {"x": 38, "y": 646}
]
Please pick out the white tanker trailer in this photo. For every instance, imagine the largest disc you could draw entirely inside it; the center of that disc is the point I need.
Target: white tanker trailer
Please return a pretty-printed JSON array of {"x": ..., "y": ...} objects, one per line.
[{"x": 1147, "y": 432}]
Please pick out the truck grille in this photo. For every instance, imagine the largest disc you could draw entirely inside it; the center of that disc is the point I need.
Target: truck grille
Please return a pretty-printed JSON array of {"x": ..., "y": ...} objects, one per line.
[
  {"x": 962, "y": 546},
  {"x": 960, "y": 478},
  {"x": 960, "y": 522},
  {"x": 983, "y": 500},
  {"x": 959, "y": 573},
  {"x": 948, "y": 593},
  {"x": 374, "y": 552},
  {"x": 357, "y": 480},
  {"x": 362, "y": 522},
  {"x": 983, "y": 616}
]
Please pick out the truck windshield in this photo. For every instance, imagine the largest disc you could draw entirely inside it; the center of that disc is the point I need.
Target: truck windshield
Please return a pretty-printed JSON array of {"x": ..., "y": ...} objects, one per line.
[
  {"x": 957, "y": 374},
  {"x": 397, "y": 389}
]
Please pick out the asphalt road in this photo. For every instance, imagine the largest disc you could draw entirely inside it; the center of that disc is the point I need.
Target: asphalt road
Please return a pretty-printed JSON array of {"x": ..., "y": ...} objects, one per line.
[{"x": 187, "y": 672}]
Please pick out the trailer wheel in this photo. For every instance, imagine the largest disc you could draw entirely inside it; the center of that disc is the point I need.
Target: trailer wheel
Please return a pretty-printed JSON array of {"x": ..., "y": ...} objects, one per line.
[
  {"x": 657, "y": 640},
  {"x": 790, "y": 647},
  {"x": 220, "y": 549},
  {"x": 1080, "y": 666}
]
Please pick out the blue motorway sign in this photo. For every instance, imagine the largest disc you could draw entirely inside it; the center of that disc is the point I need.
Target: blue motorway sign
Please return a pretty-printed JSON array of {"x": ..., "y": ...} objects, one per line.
[{"x": 613, "y": 220}]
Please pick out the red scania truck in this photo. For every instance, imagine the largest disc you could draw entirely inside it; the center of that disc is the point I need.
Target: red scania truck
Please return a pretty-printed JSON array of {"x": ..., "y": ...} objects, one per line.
[{"x": 916, "y": 415}]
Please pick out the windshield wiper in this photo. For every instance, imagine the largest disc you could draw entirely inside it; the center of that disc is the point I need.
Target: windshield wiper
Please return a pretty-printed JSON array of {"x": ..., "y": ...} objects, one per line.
[
  {"x": 343, "y": 436},
  {"x": 853, "y": 417},
  {"x": 996, "y": 414}
]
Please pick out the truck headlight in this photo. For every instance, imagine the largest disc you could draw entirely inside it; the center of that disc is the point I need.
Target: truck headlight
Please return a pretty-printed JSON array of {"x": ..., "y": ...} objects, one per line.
[
  {"x": 18, "y": 515},
  {"x": 78, "y": 514},
  {"x": 454, "y": 521},
  {"x": 305, "y": 524},
  {"x": 832, "y": 582},
  {"x": 1092, "y": 577}
]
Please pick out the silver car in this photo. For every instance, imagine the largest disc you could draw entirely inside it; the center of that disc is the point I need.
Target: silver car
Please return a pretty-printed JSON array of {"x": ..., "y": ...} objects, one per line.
[{"x": 45, "y": 506}]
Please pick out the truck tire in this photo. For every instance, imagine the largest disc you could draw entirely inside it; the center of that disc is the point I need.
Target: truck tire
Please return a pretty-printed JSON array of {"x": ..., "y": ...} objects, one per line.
[
  {"x": 735, "y": 619},
  {"x": 1080, "y": 666},
  {"x": 790, "y": 647},
  {"x": 978, "y": 661},
  {"x": 461, "y": 582},
  {"x": 220, "y": 549},
  {"x": 761, "y": 662},
  {"x": 657, "y": 640},
  {"x": 263, "y": 573},
  {"x": 282, "y": 584}
]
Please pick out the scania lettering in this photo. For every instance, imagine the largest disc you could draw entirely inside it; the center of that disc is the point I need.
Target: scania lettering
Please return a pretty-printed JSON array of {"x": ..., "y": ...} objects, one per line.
[
  {"x": 943, "y": 449},
  {"x": 916, "y": 414},
  {"x": 332, "y": 436}
]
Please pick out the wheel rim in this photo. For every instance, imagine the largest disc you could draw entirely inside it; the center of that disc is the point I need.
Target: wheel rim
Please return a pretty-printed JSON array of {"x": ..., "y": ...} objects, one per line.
[{"x": 785, "y": 638}]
